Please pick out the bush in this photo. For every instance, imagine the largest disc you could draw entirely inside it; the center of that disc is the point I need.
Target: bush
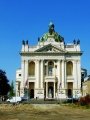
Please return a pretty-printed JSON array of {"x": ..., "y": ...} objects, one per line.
[{"x": 85, "y": 100}]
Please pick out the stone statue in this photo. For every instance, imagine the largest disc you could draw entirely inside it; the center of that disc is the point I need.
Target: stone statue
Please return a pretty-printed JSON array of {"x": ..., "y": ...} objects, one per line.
[
  {"x": 38, "y": 39},
  {"x": 74, "y": 41},
  {"x": 27, "y": 42},
  {"x": 51, "y": 28},
  {"x": 50, "y": 93},
  {"x": 78, "y": 42},
  {"x": 23, "y": 42}
]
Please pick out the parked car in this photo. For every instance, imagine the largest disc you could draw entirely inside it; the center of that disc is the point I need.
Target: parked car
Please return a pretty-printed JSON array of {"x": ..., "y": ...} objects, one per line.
[
  {"x": 14, "y": 100},
  {"x": 72, "y": 100},
  {"x": 24, "y": 98}
]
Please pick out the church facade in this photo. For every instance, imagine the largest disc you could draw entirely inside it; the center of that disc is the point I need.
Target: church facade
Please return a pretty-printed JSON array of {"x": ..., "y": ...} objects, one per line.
[{"x": 51, "y": 69}]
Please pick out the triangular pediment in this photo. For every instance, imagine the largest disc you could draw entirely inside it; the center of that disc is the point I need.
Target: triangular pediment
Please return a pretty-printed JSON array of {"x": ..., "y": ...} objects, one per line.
[{"x": 50, "y": 48}]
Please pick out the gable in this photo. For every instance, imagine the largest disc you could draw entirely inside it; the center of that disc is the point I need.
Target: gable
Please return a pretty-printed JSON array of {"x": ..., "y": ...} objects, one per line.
[{"x": 50, "y": 48}]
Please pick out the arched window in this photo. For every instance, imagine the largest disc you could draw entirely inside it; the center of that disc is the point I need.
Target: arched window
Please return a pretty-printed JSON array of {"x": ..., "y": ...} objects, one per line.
[
  {"x": 69, "y": 68},
  {"x": 31, "y": 69},
  {"x": 50, "y": 68}
]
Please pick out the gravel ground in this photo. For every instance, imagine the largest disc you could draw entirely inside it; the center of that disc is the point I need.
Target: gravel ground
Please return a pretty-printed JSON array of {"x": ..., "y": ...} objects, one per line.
[{"x": 42, "y": 112}]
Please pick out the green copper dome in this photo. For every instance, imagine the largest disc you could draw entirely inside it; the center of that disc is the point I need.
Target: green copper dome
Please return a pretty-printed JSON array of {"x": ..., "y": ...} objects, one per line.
[{"x": 51, "y": 34}]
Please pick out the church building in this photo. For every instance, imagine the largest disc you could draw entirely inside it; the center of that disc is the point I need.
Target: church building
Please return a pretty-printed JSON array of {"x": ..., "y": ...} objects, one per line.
[{"x": 51, "y": 69}]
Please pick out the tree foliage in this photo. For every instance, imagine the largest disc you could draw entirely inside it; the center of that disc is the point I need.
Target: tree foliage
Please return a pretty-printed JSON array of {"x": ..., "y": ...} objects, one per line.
[
  {"x": 4, "y": 85},
  {"x": 12, "y": 92}
]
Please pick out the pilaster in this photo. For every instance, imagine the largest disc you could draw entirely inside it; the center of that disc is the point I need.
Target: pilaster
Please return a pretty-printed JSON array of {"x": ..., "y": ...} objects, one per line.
[
  {"x": 16, "y": 89},
  {"x": 37, "y": 72},
  {"x": 26, "y": 70},
  {"x": 42, "y": 74},
  {"x": 59, "y": 77},
  {"x": 78, "y": 74},
  {"x": 63, "y": 70},
  {"x": 65, "y": 82},
  {"x": 23, "y": 78},
  {"x": 75, "y": 75},
  {"x": 46, "y": 89}
]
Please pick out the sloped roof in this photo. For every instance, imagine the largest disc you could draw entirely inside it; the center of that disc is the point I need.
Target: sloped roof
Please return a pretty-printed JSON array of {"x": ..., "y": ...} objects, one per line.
[
  {"x": 87, "y": 78},
  {"x": 50, "y": 48}
]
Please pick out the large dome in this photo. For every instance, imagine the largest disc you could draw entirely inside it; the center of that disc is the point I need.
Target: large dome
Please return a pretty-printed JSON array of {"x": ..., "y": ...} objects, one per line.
[{"x": 51, "y": 34}]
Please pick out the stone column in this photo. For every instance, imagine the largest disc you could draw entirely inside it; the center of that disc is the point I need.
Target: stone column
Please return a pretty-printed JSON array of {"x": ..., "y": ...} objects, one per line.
[
  {"x": 46, "y": 89},
  {"x": 17, "y": 89},
  {"x": 65, "y": 76},
  {"x": 54, "y": 71},
  {"x": 78, "y": 67},
  {"x": 74, "y": 75},
  {"x": 59, "y": 77},
  {"x": 23, "y": 78},
  {"x": 26, "y": 70},
  {"x": 77, "y": 78},
  {"x": 37, "y": 72},
  {"x": 42, "y": 74},
  {"x": 63, "y": 85}
]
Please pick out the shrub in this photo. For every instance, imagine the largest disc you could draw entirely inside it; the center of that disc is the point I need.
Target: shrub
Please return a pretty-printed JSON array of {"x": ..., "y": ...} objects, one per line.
[{"x": 85, "y": 100}]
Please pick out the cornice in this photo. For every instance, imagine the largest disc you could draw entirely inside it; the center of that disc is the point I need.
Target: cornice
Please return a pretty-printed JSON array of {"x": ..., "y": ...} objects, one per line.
[{"x": 73, "y": 53}]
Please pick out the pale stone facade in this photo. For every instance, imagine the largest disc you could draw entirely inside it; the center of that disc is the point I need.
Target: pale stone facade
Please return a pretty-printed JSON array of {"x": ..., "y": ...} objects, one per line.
[
  {"x": 86, "y": 86},
  {"x": 51, "y": 69}
]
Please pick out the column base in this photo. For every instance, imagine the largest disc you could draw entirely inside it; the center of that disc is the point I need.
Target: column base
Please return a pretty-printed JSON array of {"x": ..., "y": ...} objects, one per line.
[
  {"x": 21, "y": 92},
  {"x": 39, "y": 93},
  {"x": 77, "y": 93},
  {"x": 62, "y": 94}
]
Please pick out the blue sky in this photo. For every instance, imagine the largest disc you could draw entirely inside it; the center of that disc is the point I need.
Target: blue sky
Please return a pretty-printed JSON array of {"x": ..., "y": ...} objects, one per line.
[{"x": 29, "y": 19}]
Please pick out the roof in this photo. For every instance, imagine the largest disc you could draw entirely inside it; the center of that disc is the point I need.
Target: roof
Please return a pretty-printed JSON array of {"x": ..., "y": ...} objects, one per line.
[
  {"x": 51, "y": 34},
  {"x": 87, "y": 78}
]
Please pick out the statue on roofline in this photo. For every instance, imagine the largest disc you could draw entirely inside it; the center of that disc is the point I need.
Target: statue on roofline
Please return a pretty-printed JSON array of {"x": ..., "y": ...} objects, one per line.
[{"x": 51, "y": 28}]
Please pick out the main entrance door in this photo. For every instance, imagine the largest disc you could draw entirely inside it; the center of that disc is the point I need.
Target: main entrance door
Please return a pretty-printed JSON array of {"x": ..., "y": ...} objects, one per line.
[
  {"x": 50, "y": 92},
  {"x": 69, "y": 93},
  {"x": 31, "y": 90},
  {"x": 70, "y": 89},
  {"x": 32, "y": 93}
]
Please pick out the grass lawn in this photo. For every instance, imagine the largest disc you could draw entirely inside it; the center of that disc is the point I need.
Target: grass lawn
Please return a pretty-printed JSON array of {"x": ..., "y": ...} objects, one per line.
[{"x": 42, "y": 112}]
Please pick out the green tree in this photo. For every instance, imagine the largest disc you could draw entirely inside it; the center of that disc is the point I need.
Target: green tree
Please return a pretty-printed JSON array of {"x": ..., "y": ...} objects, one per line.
[
  {"x": 12, "y": 92},
  {"x": 4, "y": 85}
]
